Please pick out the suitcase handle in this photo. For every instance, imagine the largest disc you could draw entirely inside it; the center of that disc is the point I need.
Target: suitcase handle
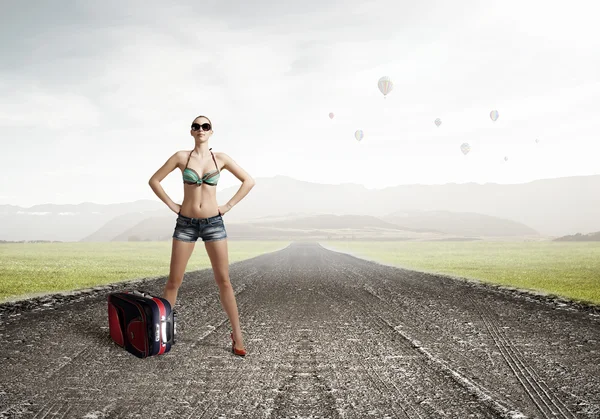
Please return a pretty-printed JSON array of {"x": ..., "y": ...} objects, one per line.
[{"x": 170, "y": 326}]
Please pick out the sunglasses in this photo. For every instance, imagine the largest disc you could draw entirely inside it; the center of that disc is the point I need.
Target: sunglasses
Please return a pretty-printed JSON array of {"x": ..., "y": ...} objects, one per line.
[{"x": 196, "y": 127}]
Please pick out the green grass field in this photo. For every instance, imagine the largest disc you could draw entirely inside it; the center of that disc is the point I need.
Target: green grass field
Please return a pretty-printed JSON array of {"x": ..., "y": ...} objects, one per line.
[
  {"x": 571, "y": 269},
  {"x": 28, "y": 269},
  {"x": 568, "y": 269}
]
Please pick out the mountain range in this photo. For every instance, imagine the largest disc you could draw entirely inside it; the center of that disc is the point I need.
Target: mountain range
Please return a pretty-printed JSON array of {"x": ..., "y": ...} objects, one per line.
[{"x": 283, "y": 207}]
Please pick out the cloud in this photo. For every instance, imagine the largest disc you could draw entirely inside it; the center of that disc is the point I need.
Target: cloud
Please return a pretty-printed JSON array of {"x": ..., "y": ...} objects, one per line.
[
  {"x": 31, "y": 106},
  {"x": 109, "y": 89}
]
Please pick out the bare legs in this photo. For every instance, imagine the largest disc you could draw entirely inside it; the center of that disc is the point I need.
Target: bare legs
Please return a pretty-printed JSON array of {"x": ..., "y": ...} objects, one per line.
[
  {"x": 217, "y": 253},
  {"x": 180, "y": 255}
]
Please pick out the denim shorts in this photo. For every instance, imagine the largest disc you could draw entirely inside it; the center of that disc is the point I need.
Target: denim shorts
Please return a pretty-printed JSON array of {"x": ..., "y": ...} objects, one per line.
[{"x": 189, "y": 229}]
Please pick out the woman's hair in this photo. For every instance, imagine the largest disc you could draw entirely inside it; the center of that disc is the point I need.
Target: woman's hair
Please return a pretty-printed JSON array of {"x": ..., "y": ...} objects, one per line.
[{"x": 202, "y": 116}]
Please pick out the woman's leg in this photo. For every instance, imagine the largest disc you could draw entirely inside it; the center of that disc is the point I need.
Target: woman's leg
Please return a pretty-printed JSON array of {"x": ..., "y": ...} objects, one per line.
[
  {"x": 180, "y": 255},
  {"x": 219, "y": 259}
]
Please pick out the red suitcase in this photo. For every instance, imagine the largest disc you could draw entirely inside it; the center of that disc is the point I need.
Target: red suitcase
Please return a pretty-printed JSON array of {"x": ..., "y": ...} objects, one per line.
[{"x": 142, "y": 324}]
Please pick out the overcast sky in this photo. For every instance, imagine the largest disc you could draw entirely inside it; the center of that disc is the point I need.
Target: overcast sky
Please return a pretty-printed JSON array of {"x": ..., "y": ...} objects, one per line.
[{"x": 95, "y": 96}]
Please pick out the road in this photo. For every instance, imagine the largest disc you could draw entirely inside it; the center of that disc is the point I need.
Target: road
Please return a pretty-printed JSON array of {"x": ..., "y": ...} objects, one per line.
[{"x": 329, "y": 335}]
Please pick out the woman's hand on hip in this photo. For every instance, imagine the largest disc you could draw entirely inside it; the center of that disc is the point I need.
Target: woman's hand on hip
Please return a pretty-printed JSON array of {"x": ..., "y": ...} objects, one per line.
[{"x": 222, "y": 209}]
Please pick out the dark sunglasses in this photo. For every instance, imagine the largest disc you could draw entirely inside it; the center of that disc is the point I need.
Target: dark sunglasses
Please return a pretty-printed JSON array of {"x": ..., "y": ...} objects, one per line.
[{"x": 205, "y": 126}]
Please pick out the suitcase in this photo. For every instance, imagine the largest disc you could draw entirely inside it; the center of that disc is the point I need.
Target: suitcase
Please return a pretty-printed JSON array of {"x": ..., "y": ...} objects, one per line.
[{"x": 140, "y": 323}]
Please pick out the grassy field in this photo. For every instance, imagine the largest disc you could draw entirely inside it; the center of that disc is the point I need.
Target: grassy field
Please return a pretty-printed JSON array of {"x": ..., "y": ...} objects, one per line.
[
  {"x": 28, "y": 269},
  {"x": 571, "y": 270},
  {"x": 568, "y": 269}
]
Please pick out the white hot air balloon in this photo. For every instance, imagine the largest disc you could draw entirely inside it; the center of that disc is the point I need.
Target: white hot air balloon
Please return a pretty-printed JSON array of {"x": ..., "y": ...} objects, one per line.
[
  {"x": 385, "y": 85},
  {"x": 331, "y": 115},
  {"x": 465, "y": 148},
  {"x": 494, "y": 115},
  {"x": 438, "y": 122},
  {"x": 358, "y": 135}
]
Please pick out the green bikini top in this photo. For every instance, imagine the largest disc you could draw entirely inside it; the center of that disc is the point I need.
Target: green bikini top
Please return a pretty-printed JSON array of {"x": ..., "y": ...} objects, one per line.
[{"x": 191, "y": 177}]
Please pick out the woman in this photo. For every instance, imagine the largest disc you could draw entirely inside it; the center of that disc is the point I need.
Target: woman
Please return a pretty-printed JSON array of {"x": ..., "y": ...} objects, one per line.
[{"x": 196, "y": 217}]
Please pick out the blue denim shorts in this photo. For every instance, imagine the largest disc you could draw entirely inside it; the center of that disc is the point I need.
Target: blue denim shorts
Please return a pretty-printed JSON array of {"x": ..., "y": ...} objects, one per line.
[{"x": 209, "y": 229}]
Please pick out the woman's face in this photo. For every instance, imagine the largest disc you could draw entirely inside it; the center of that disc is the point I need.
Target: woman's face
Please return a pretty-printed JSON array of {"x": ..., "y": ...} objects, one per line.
[{"x": 200, "y": 134}]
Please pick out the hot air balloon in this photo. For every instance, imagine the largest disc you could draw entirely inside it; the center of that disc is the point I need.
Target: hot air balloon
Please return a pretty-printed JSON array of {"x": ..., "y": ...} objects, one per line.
[
  {"x": 465, "y": 148},
  {"x": 438, "y": 122},
  {"x": 494, "y": 115},
  {"x": 358, "y": 135},
  {"x": 505, "y": 158},
  {"x": 537, "y": 141},
  {"x": 385, "y": 85},
  {"x": 331, "y": 115}
]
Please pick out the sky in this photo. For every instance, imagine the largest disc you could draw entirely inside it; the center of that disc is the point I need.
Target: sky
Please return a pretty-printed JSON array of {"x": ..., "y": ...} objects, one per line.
[{"x": 96, "y": 96}]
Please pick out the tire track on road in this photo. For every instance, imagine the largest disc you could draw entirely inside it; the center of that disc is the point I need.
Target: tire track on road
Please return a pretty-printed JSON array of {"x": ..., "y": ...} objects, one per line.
[
  {"x": 304, "y": 387},
  {"x": 387, "y": 385},
  {"x": 437, "y": 366},
  {"x": 537, "y": 393},
  {"x": 542, "y": 397},
  {"x": 442, "y": 368},
  {"x": 306, "y": 382}
]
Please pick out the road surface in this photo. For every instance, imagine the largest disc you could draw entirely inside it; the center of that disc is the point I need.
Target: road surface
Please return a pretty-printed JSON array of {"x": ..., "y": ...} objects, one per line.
[{"x": 328, "y": 335}]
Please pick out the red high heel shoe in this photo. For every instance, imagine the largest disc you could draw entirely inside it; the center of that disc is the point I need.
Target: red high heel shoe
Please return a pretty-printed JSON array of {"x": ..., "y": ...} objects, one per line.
[{"x": 239, "y": 352}]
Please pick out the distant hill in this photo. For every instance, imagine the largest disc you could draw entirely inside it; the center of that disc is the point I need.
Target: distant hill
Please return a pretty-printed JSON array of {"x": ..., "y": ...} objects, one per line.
[
  {"x": 69, "y": 222},
  {"x": 547, "y": 207},
  {"x": 161, "y": 228},
  {"x": 578, "y": 237},
  {"x": 463, "y": 223},
  {"x": 112, "y": 210},
  {"x": 329, "y": 221},
  {"x": 326, "y": 226},
  {"x": 120, "y": 225}
]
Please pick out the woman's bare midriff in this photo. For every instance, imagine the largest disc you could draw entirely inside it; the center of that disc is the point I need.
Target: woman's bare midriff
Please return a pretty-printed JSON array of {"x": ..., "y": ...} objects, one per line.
[{"x": 199, "y": 201}]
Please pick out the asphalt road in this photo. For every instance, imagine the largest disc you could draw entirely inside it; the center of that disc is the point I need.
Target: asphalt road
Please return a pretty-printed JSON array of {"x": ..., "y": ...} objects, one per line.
[{"x": 328, "y": 335}]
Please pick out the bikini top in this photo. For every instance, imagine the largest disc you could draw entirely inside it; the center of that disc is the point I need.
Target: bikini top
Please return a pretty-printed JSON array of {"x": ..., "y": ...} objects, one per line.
[{"x": 191, "y": 177}]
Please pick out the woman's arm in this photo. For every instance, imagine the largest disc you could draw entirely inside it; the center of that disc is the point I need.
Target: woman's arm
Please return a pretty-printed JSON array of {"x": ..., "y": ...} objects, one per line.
[
  {"x": 247, "y": 180},
  {"x": 160, "y": 174}
]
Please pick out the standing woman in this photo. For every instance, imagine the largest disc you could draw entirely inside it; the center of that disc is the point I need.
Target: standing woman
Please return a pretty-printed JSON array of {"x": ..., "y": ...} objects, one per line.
[{"x": 200, "y": 216}]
